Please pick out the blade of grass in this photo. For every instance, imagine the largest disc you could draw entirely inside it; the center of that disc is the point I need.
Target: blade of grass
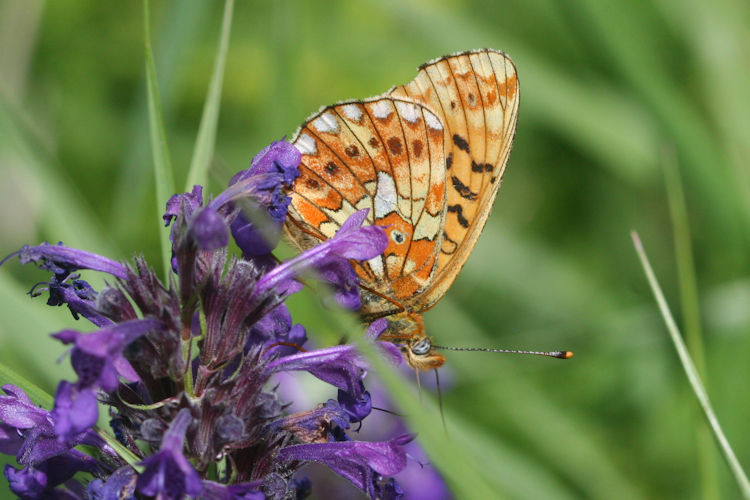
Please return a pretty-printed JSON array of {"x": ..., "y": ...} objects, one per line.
[
  {"x": 690, "y": 312},
  {"x": 691, "y": 372},
  {"x": 204, "y": 144},
  {"x": 163, "y": 175}
]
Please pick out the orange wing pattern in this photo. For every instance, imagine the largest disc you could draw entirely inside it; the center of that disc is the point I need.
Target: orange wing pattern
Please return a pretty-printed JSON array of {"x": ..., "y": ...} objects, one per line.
[
  {"x": 427, "y": 159},
  {"x": 387, "y": 155},
  {"x": 476, "y": 96}
]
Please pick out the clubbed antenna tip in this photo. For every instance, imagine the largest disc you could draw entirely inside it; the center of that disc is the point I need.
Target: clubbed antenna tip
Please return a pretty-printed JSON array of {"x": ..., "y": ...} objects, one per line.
[{"x": 551, "y": 354}]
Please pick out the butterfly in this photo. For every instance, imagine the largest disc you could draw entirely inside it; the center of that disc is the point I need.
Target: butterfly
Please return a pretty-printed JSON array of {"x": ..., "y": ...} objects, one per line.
[{"x": 427, "y": 158}]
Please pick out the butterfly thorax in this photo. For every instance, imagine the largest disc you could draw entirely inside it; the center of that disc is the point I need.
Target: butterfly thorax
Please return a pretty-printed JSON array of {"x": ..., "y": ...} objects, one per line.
[{"x": 406, "y": 330}]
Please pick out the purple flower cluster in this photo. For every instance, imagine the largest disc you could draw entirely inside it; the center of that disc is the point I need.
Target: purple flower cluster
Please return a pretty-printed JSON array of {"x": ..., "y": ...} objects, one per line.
[{"x": 186, "y": 368}]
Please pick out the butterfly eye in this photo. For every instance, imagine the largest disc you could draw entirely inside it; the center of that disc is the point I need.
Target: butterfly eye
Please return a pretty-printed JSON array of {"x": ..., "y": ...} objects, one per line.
[
  {"x": 398, "y": 236},
  {"x": 422, "y": 347}
]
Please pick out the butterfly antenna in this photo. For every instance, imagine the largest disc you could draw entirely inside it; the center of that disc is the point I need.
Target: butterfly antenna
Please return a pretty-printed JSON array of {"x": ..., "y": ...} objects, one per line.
[
  {"x": 550, "y": 354},
  {"x": 440, "y": 400}
]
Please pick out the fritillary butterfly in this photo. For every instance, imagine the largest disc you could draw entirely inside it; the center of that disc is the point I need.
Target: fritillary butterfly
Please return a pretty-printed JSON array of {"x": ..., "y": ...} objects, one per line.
[{"x": 427, "y": 159}]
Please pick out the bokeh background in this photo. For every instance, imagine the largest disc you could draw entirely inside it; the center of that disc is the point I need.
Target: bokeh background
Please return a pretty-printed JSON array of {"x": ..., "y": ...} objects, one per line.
[{"x": 625, "y": 107}]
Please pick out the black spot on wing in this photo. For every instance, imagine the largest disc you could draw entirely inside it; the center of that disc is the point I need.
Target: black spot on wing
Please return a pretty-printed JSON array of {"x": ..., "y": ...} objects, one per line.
[
  {"x": 449, "y": 161},
  {"x": 459, "y": 211},
  {"x": 463, "y": 189},
  {"x": 332, "y": 168},
  {"x": 460, "y": 143},
  {"x": 481, "y": 167},
  {"x": 352, "y": 151}
]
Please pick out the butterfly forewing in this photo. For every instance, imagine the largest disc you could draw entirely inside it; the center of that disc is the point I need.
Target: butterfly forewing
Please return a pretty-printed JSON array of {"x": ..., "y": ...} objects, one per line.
[
  {"x": 476, "y": 96},
  {"x": 426, "y": 159}
]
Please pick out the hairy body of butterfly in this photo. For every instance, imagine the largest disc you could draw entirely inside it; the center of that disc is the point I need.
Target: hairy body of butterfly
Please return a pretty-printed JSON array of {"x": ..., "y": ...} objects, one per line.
[{"x": 427, "y": 158}]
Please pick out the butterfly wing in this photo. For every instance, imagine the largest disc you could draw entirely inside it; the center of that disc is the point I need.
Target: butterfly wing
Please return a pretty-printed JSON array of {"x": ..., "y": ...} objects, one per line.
[
  {"x": 386, "y": 154},
  {"x": 427, "y": 159},
  {"x": 475, "y": 95}
]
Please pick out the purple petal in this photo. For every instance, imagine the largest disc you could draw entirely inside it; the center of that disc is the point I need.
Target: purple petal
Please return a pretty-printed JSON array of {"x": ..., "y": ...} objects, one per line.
[
  {"x": 10, "y": 440},
  {"x": 17, "y": 410},
  {"x": 339, "y": 366},
  {"x": 209, "y": 230},
  {"x": 192, "y": 202},
  {"x": 251, "y": 240},
  {"x": 62, "y": 260},
  {"x": 376, "y": 328},
  {"x": 391, "y": 351},
  {"x": 274, "y": 327},
  {"x": 278, "y": 157},
  {"x": 75, "y": 411},
  {"x": 26, "y": 483},
  {"x": 356, "y": 407},
  {"x": 338, "y": 273},
  {"x": 356, "y": 461},
  {"x": 78, "y": 296},
  {"x": 40, "y": 444},
  {"x": 354, "y": 221},
  {"x": 262, "y": 185}
]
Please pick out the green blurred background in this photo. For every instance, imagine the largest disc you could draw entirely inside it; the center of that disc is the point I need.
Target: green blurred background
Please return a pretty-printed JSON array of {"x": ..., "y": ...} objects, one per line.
[{"x": 613, "y": 96}]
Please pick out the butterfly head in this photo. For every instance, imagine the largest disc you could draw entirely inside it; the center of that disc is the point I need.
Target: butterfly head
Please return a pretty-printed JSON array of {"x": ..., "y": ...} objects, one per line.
[{"x": 407, "y": 330}]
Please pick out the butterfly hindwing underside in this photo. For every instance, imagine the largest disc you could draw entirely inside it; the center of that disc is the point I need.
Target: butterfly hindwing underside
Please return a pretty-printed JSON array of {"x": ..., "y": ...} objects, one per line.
[{"x": 426, "y": 158}]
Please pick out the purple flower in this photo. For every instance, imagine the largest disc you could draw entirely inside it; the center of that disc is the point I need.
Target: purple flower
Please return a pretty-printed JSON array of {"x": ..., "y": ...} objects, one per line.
[
  {"x": 358, "y": 461},
  {"x": 186, "y": 369},
  {"x": 168, "y": 473}
]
